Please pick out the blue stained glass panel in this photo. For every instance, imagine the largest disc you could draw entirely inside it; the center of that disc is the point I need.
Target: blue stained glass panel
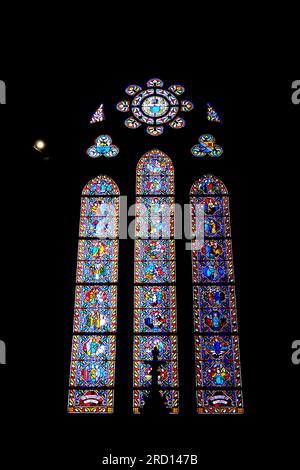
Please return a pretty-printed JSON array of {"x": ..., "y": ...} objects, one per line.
[
  {"x": 99, "y": 227},
  {"x": 144, "y": 345},
  {"x": 213, "y": 272},
  {"x": 216, "y": 374},
  {"x": 155, "y": 272},
  {"x": 158, "y": 297},
  {"x": 155, "y": 321},
  {"x": 215, "y": 320},
  {"x": 100, "y": 320},
  {"x": 215, "y": 296},
  {"x": 101, "y": 186},
  {"x": 98, "y": 250},
  {"x": 155, "y": 227},
  {"x": 212, "y": 206},
  {"x": 153, "y": 206},
  {"x": 97, "y": 272},
  {"x": 92, "y": 373},
  {"x": 155, "y": 250},
  {"x": 96, "y": 296},
  {"x": 156, "y": 185},
  {"x": 168, "y": 375},
  {"x": 216, "y": 226},
  {"x": 100, "y": 207},
  {"x": 100, "y": 347}
]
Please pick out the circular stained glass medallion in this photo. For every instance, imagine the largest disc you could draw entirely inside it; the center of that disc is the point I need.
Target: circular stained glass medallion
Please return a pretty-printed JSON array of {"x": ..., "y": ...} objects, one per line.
[{"x": 155, "y": 106}]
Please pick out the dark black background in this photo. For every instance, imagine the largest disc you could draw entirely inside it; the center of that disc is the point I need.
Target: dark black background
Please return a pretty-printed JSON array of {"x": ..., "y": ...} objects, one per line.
[{"x": 42, "y": 198}]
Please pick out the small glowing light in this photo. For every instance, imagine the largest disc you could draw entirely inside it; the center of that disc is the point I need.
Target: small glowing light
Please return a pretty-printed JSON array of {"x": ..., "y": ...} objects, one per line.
[{"x": 39, "y": 145}]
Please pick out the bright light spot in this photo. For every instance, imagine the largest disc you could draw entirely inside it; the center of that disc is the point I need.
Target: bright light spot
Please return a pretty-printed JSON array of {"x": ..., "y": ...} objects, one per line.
[{"x": 39, "y": 145}]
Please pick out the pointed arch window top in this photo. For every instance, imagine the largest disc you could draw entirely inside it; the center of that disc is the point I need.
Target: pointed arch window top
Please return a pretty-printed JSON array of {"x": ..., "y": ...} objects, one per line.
[
  {"x": 155, "y": 162},
  {"x": 209, "y": 184},
  {"x": 155, "y": 174},
  {"x": 100, "y": 186}
]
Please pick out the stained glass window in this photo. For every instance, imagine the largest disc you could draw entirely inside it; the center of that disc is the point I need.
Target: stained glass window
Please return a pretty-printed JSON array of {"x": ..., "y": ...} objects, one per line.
[
  {"x": 212, "y": 114},
  {"x": 98, "y": 115},
  {"x": 207, "y": 147},
  {"x": 218, "y": 370},
  {"x": 92, "y": 372},
  {"x": 154, "y": 292},
  {"x": 155, "y": 107},
  {"x": 103, "y": 147}
]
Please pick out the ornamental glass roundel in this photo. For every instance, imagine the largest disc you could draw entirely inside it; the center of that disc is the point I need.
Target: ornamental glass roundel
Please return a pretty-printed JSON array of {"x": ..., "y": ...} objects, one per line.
[
  {"x": 155, "y": 107},
  {"x": 103, "y": 147}
]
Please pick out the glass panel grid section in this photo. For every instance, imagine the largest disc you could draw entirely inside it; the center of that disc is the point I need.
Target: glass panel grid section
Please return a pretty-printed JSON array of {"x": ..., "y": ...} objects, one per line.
[
  {"x": 92, "y": 373},
  {"x": 155, "y": 318},
  {"x": 217, "y": 353}
]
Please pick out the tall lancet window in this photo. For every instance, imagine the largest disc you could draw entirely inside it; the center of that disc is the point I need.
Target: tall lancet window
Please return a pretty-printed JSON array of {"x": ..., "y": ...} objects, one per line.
[
  {"x": 92, "y": 374},
  {"x": 218, "y": 371},
  {"x": 154, "y": 291}
]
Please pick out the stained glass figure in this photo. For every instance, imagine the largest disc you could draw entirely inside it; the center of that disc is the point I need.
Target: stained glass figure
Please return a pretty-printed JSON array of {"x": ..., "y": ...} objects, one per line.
[
  {"x": 212, "y": 114},
  {"x": 98, "y": 115},
  {"x": 103, "y": 147},
  {"x": 92, "y": 374},
  {"x": 218, "y": 370},
  {"x": 155, "y": 107},
  {"x": 207, "y": 147},
  {"x": 155, "y": 322}
]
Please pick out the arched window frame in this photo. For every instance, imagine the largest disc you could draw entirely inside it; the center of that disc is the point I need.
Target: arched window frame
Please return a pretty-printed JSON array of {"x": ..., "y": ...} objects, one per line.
[
  {"x": 217, "y": 354},
  {"x": 155, "y": 188},
  {"x": 92, "y": 373}
]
